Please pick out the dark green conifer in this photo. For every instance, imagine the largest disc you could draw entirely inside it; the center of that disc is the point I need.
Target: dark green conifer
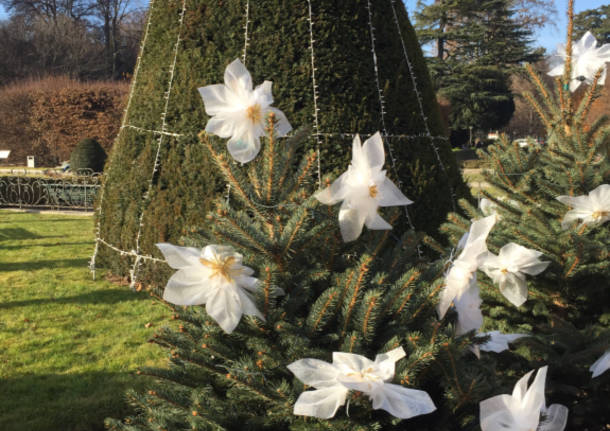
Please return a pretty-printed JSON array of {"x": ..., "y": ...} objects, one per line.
[{"x": 188, "y": 44}]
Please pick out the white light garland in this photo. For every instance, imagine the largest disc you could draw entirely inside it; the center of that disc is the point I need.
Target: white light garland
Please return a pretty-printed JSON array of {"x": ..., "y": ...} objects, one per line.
[
  {"x": 136, "y": 72},
  {"x": 154, "y": 132},
  {"x": 421, "y": 106},
  {"x": 316, "y": 124},
  {"x": 172, "y": 68},
  {"x": 382, "y": 115},
  {"x": 247, "y": 21}
]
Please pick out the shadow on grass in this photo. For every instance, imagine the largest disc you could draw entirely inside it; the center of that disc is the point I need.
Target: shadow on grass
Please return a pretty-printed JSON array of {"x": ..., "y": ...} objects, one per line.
[
  {"x": 43, "y": 264},
  {"x": 110, "y": 296},
  {"x": 17, "y": 233},
  {"x": 64, "y": 402},
  {"x": 50, "y": 244}
]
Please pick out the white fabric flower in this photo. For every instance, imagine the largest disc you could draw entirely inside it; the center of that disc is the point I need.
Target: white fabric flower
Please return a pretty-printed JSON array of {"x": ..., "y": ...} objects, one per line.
[
  {"x": 488, "y": 207},
  {"x": 521, "y": 410},
  {"x": 458, "y": 278},
  {"x": 240, "y": 113},
  {"x": 586, "y": 61},
  {"x": 509, "y": 267},
  {"x": 355, "y": 372},
  {"x": 601, "y": 365},
  {"x": 213, "y": 276},
  {"x": 363, "y": 188},
  {"x": 591, "y": 209},
  {"x": 468, "y": 307},
  {"x": 498, "y": 342}
]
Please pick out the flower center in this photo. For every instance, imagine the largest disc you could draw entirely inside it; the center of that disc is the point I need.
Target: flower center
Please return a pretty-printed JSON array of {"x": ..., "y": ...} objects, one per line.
[
  {"x": 365, "y": 375},
  {"x": 254, "y": 113},
  {"x": 504, "y": 271},
  {"x": 221, "y": 267},
  {"x": 599, "y": 214},
  {"x": 373, "y": 191}
]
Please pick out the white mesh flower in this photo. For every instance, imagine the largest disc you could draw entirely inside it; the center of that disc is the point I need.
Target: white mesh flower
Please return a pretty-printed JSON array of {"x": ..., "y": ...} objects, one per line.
[
  {"x": 363, "y": 188},
  {"x": 592, "y": 209},
  {"x": 586, "y": 61},
  {"x": 240, "y": 113},
  {"x": 458, "y": 278},
  {"x": 355, "y": 372},
  {"x": 213, "y": 276},
  {"x": 509, "y": 267},
  {"x": 498, "y": 342},
  {"x": 601, "y": 365},
  {"x": 521, "y": 410},
  {"x": 468, "y": 307}
]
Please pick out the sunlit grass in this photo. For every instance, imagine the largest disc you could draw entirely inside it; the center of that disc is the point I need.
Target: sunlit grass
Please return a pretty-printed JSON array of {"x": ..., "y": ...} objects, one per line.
[{"x": 69, "y": 346}]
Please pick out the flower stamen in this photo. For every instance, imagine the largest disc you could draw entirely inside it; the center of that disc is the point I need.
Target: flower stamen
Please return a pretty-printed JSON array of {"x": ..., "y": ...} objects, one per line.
[
  {"x": 221, "y": 267},
  {"x": 373, "y": 191},
  {"x": 254, "y": 113},
  {"x": 599, "y": 214}
]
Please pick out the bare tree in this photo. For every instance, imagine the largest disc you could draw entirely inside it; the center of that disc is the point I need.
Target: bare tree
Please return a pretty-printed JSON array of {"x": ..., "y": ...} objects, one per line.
[{"x": 112, "y": 14}]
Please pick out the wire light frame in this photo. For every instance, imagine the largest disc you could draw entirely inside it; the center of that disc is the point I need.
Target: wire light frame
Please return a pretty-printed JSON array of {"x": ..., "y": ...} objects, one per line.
[{"x": 136, "y": 253}]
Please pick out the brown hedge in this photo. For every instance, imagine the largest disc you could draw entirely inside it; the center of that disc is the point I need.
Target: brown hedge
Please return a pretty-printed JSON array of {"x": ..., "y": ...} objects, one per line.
[{"x": 48, "y": 117}]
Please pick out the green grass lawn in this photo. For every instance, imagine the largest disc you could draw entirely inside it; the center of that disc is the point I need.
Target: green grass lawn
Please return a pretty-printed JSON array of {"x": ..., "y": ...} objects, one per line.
[{"x": 69, "y": 346}]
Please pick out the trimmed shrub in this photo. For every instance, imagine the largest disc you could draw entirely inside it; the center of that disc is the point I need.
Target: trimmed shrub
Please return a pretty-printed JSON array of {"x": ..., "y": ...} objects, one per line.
[
  {"x": 348, "y": 81},
  {"x": 88, "y": 154}
]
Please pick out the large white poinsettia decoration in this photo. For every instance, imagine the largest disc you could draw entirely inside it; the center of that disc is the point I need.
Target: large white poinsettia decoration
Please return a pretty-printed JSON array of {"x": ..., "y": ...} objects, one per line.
[
  {"x": 591, "y": 209},
  {"x": 509, "y": 267},
  {"x": 601, "y": 365},
  {"x": 363, "y": 188},
  {"x": 240, "y": 113},
  {"x": 332, "y": 383},
  {"x": 213, "y": 276},
  {"x": 586, "y": 61},
  {"x": 521, "y": 411},
  {"x": 463, "y": 269}
]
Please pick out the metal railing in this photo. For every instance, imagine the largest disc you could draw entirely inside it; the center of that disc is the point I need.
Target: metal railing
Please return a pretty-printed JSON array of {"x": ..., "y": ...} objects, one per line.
[{"x": 76, "y": 191}]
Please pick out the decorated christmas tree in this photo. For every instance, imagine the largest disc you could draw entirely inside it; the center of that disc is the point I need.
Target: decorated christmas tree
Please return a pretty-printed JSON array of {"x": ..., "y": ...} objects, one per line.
[
  {"x": 291, "y": 285},
  {"x": 547, "y": 275},
  {"x": 340, "y": 68}
]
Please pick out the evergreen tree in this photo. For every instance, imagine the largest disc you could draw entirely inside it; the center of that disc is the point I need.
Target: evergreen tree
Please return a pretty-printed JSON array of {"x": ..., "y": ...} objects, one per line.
[
  {"x": 567, "y": 312},
  {"x": 318, "y": 296},
  {"x": 478, "y": 44},
  {"x": 160, "y": 181},
  {"x": 597, "y": 21}
]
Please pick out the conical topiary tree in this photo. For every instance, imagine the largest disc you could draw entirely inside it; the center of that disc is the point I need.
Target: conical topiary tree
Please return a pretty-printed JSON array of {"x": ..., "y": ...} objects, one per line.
[{"x": 341, "y": 67}]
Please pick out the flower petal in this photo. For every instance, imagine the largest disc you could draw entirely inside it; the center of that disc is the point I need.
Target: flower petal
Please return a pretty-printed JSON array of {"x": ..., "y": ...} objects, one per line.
[
  {"x": 224, "y": 306},
  {"x": 282, "y": 126},
  {"x": 179, "y": 257},
  {"x": 601, "y": 365},
  {"x": 237, "y": 78},
  {"x": 556, "y": 418},
  {"x": 222, "y": 124},
  {"x": 400, "y": 402},
  {"x": 390, "y": 195},
  {"x": 351, "y": 222},
  {"x": 262, "y": 94},
  {"x": 468, "y": 307},
  {"x": 373, "y": 151},
  {"x": 247, "y": 305},
  {"x": 496, "y": 413},
  {"x": 514, "y": 288},
  {"x": 314, "y": 372},
  {"x": 498, "y": 342},
  {"x": 334, "y": 193},
  {"x": 377, "y": 223},
  {"x": 321, "y": 403},
  {"x": 244, "y": 148},
  {"x": 385, "y": 363},
  {"x": 186, "y": 288}
]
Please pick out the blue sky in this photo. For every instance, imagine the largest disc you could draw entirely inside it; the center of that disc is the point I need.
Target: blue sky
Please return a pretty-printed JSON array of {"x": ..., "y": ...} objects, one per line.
[{"x": 548, "y": 37}]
